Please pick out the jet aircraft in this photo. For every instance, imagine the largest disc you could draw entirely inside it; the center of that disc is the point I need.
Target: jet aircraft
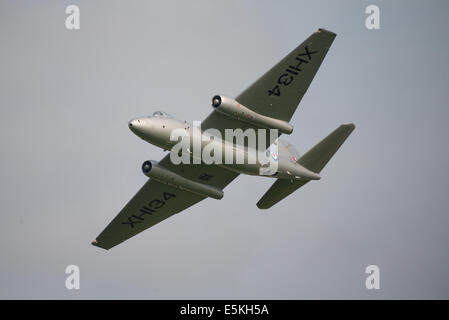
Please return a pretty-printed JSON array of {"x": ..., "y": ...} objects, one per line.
[{"x": 269, "y": 103}]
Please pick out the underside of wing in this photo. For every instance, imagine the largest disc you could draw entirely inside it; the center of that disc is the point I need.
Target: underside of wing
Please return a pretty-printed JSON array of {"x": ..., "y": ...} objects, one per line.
[
  {"x": 157, "y": 201},
  {"x": 278, "y": 92},
  {"x": 153, "y": 203}
]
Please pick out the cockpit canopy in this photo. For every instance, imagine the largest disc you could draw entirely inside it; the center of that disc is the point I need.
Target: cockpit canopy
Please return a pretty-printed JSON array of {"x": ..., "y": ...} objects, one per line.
[{"x": 160, "y": 114}]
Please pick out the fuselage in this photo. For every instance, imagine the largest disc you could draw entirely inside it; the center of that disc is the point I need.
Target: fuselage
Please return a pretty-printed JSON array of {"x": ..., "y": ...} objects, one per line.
[{"x": 167, "y": 132}]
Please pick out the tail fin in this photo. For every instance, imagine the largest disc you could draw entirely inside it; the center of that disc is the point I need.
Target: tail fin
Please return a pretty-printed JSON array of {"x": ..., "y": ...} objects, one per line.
[{"x": 315, "y": 159}]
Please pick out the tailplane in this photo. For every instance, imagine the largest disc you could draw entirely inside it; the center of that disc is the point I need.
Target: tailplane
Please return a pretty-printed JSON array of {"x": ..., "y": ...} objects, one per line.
[{"x": 315, "y": 159}]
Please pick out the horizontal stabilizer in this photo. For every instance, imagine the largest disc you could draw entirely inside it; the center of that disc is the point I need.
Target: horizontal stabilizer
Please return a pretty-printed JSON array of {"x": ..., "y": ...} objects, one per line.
[
  {"x": 278, "y": 191},
  {"x": 315, "y": 159}
]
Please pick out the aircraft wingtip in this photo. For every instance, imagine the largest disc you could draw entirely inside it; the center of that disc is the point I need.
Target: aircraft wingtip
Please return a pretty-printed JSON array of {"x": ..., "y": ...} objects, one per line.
[
  {"x": 326, "y": 31},
  {"x": 351, "y": 125},
  {"x": 95, "y": 243},
  {"x": 262, "y": 205}
]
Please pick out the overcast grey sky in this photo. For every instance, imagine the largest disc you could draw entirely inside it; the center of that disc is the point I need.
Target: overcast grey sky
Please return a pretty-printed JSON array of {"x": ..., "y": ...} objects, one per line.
[{"x": 70, "y": 163}]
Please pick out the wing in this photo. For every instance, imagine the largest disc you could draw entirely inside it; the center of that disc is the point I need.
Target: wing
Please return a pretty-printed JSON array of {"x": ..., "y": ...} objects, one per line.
[
  {"x": 279, "y": 91},
  {"x": 156, "y": 201}
]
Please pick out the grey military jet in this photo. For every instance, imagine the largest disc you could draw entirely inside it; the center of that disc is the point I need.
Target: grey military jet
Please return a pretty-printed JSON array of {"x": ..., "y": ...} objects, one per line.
[{"x": 269, "y": 103}]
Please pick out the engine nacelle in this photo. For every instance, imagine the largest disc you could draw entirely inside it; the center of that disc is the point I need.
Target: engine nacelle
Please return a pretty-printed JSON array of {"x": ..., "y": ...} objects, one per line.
[
  {"x": 234, "y": 109},
  {"x": 154, "y": 171}
]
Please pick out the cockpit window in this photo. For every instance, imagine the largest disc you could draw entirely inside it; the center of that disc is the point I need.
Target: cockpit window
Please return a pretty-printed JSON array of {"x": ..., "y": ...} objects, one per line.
[{"x": 161, "y": 114}]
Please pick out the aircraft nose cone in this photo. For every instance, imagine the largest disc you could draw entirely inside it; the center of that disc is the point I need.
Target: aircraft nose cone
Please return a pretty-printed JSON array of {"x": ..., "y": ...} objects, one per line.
[
  {"x": 134, "y": 125},
  {"x": 139, "y": 127}
]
